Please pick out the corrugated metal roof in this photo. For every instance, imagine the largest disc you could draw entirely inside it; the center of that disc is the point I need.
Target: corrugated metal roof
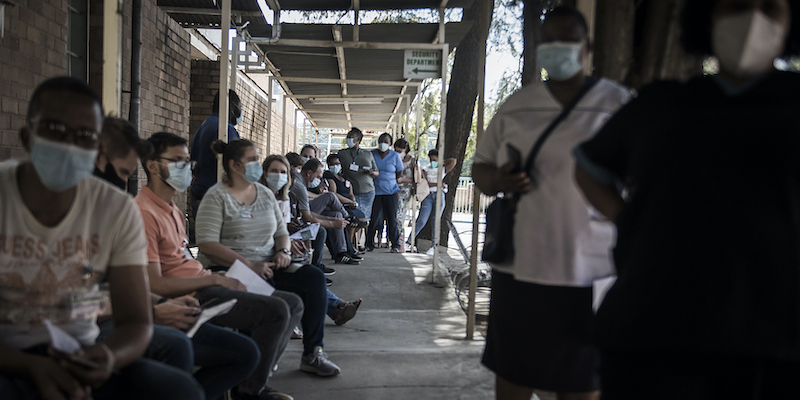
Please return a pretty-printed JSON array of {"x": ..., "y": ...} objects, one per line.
[
  {"x": 361, "y": 64},
  {"x": 322, "y": 62}
]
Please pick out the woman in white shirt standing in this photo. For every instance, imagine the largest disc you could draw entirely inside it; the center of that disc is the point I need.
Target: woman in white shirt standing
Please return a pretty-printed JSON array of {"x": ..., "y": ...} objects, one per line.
[{"x": 540, "y": 320}]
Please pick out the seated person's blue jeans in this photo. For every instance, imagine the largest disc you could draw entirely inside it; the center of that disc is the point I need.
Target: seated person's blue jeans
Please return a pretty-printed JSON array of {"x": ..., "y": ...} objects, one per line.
[
  {"x": 142, "y": 379},
  {"x": 225, "y": 357}
]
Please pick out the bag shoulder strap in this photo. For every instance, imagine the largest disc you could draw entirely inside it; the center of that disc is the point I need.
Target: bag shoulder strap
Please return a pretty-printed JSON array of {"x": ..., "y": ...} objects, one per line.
[{"x": 590, "y": 82}]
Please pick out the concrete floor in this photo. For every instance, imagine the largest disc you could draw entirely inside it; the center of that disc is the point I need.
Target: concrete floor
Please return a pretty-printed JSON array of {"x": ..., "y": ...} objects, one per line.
[{"x": 406, "y": 342}]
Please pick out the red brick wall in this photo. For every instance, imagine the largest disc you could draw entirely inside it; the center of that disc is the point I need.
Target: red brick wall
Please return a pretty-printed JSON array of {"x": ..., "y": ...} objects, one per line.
[
  {"x": 166, "y": 57},
  {"x": 33, "y": 49}
]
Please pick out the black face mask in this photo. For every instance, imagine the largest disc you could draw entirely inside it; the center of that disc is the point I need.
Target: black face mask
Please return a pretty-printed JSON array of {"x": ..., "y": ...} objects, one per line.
[{"x": 110, "y": 176}]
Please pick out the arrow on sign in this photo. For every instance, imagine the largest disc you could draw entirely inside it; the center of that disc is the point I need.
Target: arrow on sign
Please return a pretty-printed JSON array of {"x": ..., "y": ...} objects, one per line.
[{"x": 417, "y": 70}]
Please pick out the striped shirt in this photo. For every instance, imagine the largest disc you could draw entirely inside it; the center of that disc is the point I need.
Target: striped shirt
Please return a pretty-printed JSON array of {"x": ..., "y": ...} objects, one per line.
[{"x": 249, "y": 230}]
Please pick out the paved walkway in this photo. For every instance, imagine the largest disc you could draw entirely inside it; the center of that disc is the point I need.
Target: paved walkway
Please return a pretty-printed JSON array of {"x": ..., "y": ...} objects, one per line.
[{"x": 406, "y": 342}]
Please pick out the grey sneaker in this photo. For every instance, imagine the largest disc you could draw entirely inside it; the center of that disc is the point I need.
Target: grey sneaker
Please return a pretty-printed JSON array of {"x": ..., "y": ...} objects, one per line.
[{"x": 318, "y": 363}]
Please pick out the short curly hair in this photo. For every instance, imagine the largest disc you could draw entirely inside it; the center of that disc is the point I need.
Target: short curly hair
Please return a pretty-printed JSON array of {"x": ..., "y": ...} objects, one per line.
[{"x": 696, "y": 27}]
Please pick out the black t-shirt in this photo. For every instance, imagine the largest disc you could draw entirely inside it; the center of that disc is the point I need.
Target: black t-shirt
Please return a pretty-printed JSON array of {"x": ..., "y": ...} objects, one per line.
[
  {"x": 342, "y": 187},
  {"x": 708, "y": 247}
]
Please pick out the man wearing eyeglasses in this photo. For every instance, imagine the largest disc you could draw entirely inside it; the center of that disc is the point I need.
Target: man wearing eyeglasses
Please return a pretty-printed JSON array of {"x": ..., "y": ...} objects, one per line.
[
  {"x": 62, "y": 233},
  {"x": 174, "y": 272},
  {"x": 205, "y": 175}
]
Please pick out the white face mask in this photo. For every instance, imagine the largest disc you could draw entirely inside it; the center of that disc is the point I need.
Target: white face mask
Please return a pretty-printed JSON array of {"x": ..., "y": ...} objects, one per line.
[
  {"x": 560, "y": 59},
  {"x": 747, "y": 43},
  {"x": 336, "y": 168},
  {"x": 383, "y": 147},
  {"x": 401, "y": 153},
  {"x": 313, "y": 184},
  {"x": 276, "y": 180},
  {"x": 305, "y": 159},
  {"x": 350, "y": 142},
  {"x": 60, "y": 165},
  {"x": 179, "y": 178}
]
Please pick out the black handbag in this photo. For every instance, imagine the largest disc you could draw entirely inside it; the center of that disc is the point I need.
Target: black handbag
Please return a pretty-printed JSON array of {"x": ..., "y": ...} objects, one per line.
[{"x": 498, "y": 245}]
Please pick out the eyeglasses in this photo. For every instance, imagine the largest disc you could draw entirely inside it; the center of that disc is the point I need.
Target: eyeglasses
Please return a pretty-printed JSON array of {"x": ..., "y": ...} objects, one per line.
[
  {"x": 181, "y": 164},
  {"x": 58, "y": 131}
]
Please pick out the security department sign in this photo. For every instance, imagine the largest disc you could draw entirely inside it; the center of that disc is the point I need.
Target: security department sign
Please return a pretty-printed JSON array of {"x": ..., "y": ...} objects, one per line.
[{"x": 422, "y": 64}]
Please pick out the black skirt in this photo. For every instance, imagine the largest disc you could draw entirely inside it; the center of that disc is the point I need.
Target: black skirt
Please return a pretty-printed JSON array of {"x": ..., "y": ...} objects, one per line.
[{"x": 540, "y": 336}]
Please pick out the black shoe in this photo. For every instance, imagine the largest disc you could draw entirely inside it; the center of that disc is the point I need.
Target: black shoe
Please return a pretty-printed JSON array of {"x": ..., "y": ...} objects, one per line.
[
  {"x": 355, "y": 257},
  {"x": 328, "y": 271},
  {"x": 328, "y": 282},
  {"x": 345, "y": 258}
]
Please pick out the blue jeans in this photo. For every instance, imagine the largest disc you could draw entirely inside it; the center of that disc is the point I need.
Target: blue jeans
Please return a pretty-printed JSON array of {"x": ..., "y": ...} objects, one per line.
[
  {"x": 425, "y": 211},
  {"x": 225, "y": 357},
  {"x": 365, "y": 201},
  {"x": 142, "y": 379},
  {"x": 333, "y": 302}
]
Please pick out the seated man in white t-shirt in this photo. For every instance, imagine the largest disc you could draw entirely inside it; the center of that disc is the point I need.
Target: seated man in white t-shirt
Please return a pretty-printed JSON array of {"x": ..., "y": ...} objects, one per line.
[{"x": 62, "y": 234}]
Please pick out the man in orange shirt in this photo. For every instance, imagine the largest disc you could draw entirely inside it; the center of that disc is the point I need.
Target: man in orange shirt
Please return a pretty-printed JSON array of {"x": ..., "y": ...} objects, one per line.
[{"x": 173, "y": 271}]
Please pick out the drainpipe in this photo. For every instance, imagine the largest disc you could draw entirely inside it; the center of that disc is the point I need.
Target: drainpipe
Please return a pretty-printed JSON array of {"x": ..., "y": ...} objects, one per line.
[{"x": 136, "y": 82}]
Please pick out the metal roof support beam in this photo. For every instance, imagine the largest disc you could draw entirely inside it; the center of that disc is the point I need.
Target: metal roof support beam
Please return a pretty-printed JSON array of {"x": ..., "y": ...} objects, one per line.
[
  {"x": 439, "y": 195},
  {"x": 346, "y": 45},
  {"x": 269, "y": 115},
  {"x": 351, "y": 112},
  {"x": 356, "y": 19},
  {"x": 336, "y": 96},
  {"x": 224, "y": 66},
  {"x": 337, "y": 37},
  {"x": 399, "y": 102},
  {"x": 484, "y": 19},
  {"x": 416, "y": 165},
  {"x": 283, "y": 126},
  {"x": 348, "y": 81},
  {"x": 378, "y": 123},
  {"x": 294, "y": 122},
  {"x": 207, "y": 11}
]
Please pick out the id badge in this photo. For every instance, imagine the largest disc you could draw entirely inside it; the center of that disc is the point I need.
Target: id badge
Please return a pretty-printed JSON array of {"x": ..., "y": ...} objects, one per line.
[
  {"x": 354, "y": 167},
  {"x": 246, "y": 214},
  {"x": 86, "y": 305},
  {"x": 347, "y": 184}
]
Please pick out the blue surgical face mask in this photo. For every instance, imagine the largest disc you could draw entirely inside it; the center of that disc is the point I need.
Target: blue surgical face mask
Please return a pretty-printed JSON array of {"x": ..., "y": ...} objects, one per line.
[
  {"x": 60, "y": 165},
  {"x": 239, "y": 119},
  {"x": 350, "y": 142},
  {"x": 276, "y": 180},
  {"x": 434, "y": 164},
  {"x": 383, "y": 147},
  {"x": 313, "y": 184},
  {"x": 336, "y": 168},
  {"x": 179, "y": 178},
  {"x": 253, "y": 171},
  {"x": 305, "y": 159},
  {"x": 560, "y": 59}
]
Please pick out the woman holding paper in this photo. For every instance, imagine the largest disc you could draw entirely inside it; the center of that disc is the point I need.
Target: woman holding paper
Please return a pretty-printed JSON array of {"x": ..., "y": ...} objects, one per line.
[
  {"x": 279, "y": 180},
  {"x": 239, "y": 219}
]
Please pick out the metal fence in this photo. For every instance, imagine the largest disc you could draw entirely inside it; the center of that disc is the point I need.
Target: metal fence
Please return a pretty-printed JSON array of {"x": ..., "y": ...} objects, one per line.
[{"x": 463, "y": 200}]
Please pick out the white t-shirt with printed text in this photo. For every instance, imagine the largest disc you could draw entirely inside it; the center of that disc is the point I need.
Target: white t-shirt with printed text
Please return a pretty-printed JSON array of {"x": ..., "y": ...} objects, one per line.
[{"x": 42, "y": 267}]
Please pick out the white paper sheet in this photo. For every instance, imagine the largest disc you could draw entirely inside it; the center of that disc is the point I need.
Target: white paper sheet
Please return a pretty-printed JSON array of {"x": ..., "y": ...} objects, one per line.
[
  {"x": 251, "y": 280},
  {"x": 210, "y": 313},
  {"x": 313, "y": 229},
  {"x": 61, "y": 340}
]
